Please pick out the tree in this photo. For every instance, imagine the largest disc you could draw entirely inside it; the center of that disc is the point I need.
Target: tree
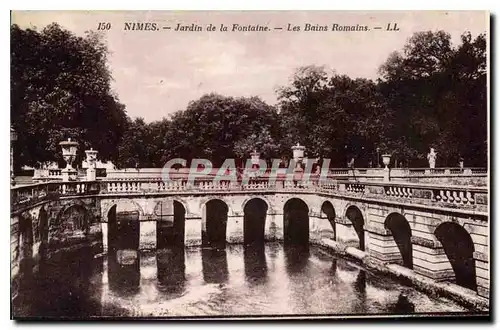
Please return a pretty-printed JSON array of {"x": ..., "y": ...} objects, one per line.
[
  {"x": 334, "y": 117},
  {"x": 215, "y": 126},
  {"x": 437, "y": 98},
  {"x": 60, "y": 88}
]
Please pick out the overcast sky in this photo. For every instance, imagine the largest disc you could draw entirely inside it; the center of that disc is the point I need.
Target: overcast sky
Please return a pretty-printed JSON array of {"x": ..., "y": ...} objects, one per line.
[{"x": 158, "y": 72}]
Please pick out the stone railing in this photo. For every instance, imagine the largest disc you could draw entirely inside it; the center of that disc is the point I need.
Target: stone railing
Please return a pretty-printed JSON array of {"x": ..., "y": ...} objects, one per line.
[
  {"x": 27, "y": 195},
  {"x": 429, "y": 194},
  {"x": 47, "y": 174},
  {"x": 404, "y": 192}
]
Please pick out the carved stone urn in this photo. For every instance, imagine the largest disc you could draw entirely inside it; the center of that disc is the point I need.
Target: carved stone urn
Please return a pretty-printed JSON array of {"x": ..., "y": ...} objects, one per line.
[{"x": 69, "y": 149}]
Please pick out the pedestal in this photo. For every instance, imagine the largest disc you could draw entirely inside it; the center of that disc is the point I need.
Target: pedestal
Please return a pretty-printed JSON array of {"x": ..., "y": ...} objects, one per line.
[
  {"x": 387, "y": 177},
  {"x": 69, "y": 174},
  {"x": 91, "y": 174},
  {"x": 104, "y": 230}
]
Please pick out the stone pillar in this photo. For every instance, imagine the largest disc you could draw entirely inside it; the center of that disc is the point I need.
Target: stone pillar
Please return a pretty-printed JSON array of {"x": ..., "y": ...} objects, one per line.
[
  {"x": 386, "y": 158},
  {"x": 382, "y": 245},
  {"x": 91, "y": 163},
  {"x": 104, "y": 230},
  {"x": 192, "y": 231},
  {"x": 346, "y": 233},
  {"x": 319, "y": 228},
  {"x": 430, "y": 260},
  {"x": 234, "y": 229},
  {"x": 482, "y": 274},
  {"x": 147, "y": 236}
]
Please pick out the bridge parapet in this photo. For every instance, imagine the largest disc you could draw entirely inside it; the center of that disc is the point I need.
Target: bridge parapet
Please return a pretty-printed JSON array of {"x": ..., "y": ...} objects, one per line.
[
  {"x": 440, "y": 196},
  {"x": 466, "y": 197}
]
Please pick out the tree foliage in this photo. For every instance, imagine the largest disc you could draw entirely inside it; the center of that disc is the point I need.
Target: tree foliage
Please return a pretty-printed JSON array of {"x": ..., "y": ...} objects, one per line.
[
  {"x": 60, "y": 88},
  {"x": 437, "y": 98}
]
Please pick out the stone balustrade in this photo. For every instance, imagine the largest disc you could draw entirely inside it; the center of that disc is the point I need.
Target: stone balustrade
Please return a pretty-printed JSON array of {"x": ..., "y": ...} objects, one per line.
[
  {"x": 27, "y": 195},
  {"x": 403, "y": 192}
]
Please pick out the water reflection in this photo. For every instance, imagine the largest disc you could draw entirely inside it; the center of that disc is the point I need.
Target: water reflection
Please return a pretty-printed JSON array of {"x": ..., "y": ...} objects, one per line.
[
  {"x": 360, "y": 290},
  {"x": 333, "y": 269},
  {"x": 124, "y": 273},
  {"x": 171, "y": 270},
  {"x": 255, "y": 264},
  {"x": 404, "y": 305},
  {"x": 214, "y": 264},
  {"x": 296, "y": 280},
  {"x": 70, "y": 278},
  {"x": 296, "y": 258}
]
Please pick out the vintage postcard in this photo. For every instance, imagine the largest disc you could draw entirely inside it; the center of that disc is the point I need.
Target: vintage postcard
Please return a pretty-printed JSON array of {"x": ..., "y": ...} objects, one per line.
[{"x": 249, "y": 164}]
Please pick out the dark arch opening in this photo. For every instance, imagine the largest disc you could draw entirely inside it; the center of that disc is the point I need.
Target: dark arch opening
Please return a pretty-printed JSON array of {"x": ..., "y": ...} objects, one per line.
[
  {"x": 214, "y": 234},
  {"x": 254, "y": 221},
  {"x": 179, "y": 223},
  {"x": 123, "y": 229},
  {"x": 296, "y": 222},
  {"x": 170, "y": 233},
  {"x": 356, "y": 218},
  {"x": 459, "y": 249},
  {"x": 327, "y": 208},
  {"x": 401, "y": 231},
  {"x": 43, "y": 231},
  {"x": 112, "y": 230}
]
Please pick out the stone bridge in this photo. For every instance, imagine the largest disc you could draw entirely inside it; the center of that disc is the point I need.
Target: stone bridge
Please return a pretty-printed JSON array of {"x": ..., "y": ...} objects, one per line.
[{"x": 440, "y": 232}]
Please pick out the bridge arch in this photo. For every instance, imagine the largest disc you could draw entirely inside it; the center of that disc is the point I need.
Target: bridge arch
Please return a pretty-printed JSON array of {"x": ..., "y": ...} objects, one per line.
[
  {"x": 214, "y": 223},
  {"x": 183, "y": 203},
  {"x": 123, "y": 225},
  {"x": 354, "y": 214},
  {"x": 296, "y": 222},
  {"x": 254, "y": 220},
  {"x": 204, "y": 200},
  {"x": 400, "y": 229},
  {"x": 74, "y": 220},
  {"x": 123, "y": 205},
  {"x": 263, "y": 198},
  {"x": 459, "y": 248},
  {"x": 328, "y": 210},
  {"x": 171, "y": 227}
]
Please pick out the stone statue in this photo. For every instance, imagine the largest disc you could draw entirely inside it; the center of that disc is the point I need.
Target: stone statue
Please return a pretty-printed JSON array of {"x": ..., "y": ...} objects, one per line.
[{"x": 431, "y": 157}]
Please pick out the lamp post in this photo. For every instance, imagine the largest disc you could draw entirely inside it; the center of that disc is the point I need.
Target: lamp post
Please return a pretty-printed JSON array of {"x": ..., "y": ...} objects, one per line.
[
  {"x": 91, "y": 163},
  {"x": 13, "y": 138},
  {"x": 69, "y": 154}
]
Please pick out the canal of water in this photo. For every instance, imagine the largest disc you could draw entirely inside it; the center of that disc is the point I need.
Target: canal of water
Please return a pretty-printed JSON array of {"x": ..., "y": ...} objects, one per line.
[{"x": 237, "y": 281}]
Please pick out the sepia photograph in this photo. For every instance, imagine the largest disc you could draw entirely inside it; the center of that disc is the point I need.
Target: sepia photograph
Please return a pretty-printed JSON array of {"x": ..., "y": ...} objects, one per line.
[{"x": 255, "y": 165}]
